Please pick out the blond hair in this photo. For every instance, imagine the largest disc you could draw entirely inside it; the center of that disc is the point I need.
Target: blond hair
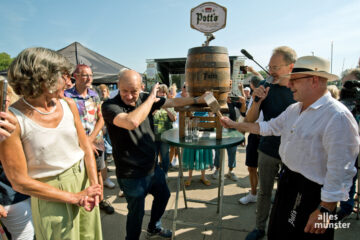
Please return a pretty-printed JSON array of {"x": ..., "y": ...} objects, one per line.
[
  {"x": 173, "y": 88},
  {"x": 163, "y": 88},
  {"x": 334, "y": 91},
  {"x": 35, "y": 70},
  {"x": 103, "y": 87}
]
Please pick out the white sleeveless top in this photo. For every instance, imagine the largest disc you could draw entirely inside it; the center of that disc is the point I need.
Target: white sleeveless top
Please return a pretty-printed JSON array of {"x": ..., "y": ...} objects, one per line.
[{"x": 49, "y": 151}]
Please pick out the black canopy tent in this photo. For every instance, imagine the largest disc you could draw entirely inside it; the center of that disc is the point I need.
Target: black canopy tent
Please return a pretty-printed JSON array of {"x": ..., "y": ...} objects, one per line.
[{"x": 104, "y": 69}]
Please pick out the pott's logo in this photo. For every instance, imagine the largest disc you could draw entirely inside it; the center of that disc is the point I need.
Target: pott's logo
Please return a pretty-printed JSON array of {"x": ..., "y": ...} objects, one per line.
[{"x": 208, "y": 17}]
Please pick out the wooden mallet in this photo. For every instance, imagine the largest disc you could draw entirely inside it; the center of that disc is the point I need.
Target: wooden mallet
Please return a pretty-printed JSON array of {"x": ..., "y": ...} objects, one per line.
[{"x": 213, "y": 104}]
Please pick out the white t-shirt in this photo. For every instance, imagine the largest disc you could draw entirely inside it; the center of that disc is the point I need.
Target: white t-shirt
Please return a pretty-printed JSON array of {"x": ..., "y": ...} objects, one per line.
[{"x": 49, "y": 151}]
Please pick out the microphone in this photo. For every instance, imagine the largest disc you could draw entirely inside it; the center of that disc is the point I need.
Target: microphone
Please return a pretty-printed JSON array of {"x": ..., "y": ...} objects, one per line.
[
  {"x": 248, "y": 55},
  {"x": 269, "y": 79}
]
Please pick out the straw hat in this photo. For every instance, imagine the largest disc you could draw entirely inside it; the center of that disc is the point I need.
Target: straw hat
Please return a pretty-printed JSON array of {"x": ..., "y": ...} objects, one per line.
[{"x": 314, "y": 66}]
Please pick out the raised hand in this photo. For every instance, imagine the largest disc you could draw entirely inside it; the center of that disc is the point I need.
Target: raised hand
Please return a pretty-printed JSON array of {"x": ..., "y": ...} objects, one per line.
[
  {"x": 154, "y": 91},
  {"x": 261, "y": 93},
  {"x": 242, "y": 100}
]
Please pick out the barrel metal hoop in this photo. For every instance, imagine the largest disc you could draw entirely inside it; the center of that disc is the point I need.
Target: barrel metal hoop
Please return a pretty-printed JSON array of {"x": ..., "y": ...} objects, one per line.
[
  {"x": 207, "y": 65},
  {"x": 209, "y": 49},
  {"x": 205, "y": 88}
]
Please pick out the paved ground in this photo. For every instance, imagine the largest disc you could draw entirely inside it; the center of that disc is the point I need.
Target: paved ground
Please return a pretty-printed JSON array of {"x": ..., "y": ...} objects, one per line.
[{"x": 238, "y": 219}]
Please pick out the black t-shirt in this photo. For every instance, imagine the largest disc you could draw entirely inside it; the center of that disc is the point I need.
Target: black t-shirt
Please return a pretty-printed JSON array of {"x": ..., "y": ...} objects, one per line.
[
  {"x": 277, "y": 100},
  {"x": 133, "y": 150},
  {"x": 232, "y": 112}
]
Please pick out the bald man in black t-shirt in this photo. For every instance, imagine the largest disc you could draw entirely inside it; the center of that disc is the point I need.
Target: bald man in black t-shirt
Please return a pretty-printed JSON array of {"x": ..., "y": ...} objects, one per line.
[{"x": 128, "y": 118}]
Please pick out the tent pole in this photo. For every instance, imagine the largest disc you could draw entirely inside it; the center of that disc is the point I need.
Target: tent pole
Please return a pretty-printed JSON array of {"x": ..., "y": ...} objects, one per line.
[{"x": 76, "y": 54}]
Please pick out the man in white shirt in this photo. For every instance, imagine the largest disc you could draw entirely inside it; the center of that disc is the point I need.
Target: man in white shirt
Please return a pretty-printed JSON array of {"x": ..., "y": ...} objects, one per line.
[{"x": 319, "y": 144}]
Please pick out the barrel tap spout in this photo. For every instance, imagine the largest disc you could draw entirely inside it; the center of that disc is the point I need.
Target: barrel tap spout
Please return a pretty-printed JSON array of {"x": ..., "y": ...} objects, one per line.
[{"x": 209, "y": 37}]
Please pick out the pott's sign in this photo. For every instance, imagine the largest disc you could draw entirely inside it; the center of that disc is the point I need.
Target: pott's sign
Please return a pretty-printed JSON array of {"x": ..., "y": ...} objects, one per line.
[{"x": 208, "y": 17}]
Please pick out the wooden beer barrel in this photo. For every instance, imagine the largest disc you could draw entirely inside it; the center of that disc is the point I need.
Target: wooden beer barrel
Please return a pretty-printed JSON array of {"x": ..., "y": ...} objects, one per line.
[{"x": 208, "y": 69}]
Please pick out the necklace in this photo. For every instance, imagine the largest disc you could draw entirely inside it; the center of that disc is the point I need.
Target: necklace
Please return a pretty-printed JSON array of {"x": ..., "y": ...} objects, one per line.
[{"x": 43, "y": 113}]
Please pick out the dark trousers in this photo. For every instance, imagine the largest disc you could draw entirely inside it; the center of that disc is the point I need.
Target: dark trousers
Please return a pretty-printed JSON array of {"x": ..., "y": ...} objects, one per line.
[
  {"x": 135, "y": 191},
  {"x": 296, "y": 198},
  {"x": 163, "y": 149}
]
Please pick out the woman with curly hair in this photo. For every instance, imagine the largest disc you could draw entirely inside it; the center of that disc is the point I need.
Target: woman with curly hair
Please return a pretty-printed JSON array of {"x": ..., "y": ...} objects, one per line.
[{"x": 48, "y": 156}]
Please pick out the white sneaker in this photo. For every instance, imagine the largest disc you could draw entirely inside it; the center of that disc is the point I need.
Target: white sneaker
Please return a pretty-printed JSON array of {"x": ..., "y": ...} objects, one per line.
[
  {"x": 215, "y": 175},
  {"x": 121, "y": 193},
  {"x": 109, "y": 184},
  {"x": 232, "y": 176},
  {"x": 248, "y": 198}
]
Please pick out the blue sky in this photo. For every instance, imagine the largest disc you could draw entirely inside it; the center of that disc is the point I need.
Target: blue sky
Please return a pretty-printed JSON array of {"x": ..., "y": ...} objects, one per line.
[{"x": 129, "y": 32}]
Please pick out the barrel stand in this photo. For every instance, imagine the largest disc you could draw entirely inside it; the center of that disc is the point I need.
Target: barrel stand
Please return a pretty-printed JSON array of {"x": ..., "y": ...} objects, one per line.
[{"x": 205, "y": 122}]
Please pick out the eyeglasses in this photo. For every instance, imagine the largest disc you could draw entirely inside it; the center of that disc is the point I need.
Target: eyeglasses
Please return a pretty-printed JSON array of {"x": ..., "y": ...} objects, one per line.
[
  {"x": 86, "y": 75},
  {"x": 275, "y": 68}
]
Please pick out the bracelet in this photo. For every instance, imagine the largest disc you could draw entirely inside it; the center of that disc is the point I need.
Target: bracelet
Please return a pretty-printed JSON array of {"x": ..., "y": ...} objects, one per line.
[{"x": 196, "y": 100}]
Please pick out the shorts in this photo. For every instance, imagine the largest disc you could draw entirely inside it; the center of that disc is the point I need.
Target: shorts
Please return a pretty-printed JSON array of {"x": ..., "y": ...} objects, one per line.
[
  {"x": 251, "y": 150},
  {"x": 100, "y": 160}
]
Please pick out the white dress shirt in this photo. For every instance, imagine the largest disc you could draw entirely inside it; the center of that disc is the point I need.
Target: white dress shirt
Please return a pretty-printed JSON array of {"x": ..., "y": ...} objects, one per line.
[{"x": 321, "y": 143}]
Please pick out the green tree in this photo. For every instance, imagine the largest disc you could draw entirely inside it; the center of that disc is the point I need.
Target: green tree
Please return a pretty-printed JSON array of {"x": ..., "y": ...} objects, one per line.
[
  {"x": 5, "y": 61},
  {"x": 263, "y": 73}
]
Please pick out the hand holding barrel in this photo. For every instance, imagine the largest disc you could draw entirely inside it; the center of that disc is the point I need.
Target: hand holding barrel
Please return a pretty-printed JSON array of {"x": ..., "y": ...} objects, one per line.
[{"x": 201, "y": 99}]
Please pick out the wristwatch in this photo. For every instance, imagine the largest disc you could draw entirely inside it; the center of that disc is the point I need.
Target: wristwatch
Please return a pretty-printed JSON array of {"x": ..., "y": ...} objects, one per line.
[
  {"x": 323, "y": 209},
  {"x": 196, "y": 100}
]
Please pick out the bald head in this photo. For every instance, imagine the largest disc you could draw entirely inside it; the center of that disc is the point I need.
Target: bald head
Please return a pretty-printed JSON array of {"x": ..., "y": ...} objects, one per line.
[
  {"x": 129, "y": 85},
  {"x": 129, "y": 75}
]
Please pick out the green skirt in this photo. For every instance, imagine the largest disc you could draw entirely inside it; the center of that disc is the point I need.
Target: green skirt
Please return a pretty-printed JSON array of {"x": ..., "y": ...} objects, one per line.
[
  {"x": 56, "y": 220},
  {"x": 198, "y": 159}
]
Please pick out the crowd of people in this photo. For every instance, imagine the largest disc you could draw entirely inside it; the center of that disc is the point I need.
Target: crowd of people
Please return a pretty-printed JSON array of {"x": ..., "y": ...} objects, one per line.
[{"x": 58, "y": 135}]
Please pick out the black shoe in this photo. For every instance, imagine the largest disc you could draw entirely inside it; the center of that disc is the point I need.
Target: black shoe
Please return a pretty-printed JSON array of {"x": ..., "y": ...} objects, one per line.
[
  {"x": 106, "y": 207},
  {"x": 159, "y": 233},
  {"x": 255, "y": 234}
]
